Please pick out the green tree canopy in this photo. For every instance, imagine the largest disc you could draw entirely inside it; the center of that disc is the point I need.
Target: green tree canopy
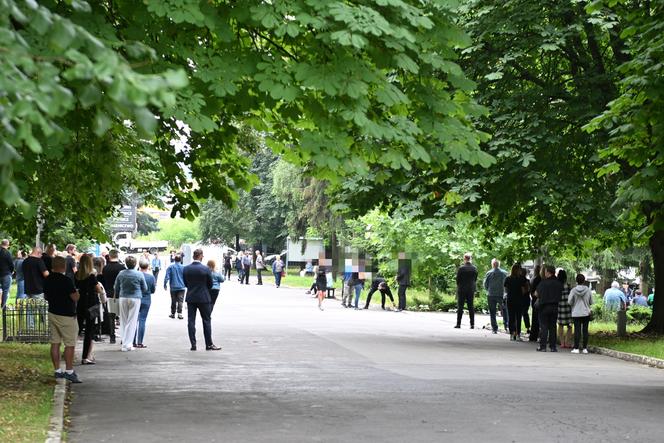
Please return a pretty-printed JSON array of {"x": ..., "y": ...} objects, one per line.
[{"x": 342, "y": 86}]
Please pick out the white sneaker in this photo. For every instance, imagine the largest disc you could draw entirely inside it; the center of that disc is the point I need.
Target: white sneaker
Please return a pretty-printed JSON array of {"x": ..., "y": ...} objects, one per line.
[
  {"x": 585, "y": 351},
  {"x": 575, "y": 351}
]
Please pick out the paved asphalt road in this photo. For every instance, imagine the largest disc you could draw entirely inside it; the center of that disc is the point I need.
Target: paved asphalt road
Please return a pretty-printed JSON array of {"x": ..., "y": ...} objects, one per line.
[{"x": 290, "y": 373}]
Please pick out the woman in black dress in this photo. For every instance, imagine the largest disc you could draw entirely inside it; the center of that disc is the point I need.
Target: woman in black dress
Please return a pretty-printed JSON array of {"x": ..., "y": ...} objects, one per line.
[{"x": 516, "y": 285}]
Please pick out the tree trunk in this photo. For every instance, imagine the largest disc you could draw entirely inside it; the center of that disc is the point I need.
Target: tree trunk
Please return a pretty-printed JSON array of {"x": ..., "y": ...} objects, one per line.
[
  {"x": 40, "y": 227},
  {"x": 644, "y": 271},
  {"x": 656, "y": 324}
]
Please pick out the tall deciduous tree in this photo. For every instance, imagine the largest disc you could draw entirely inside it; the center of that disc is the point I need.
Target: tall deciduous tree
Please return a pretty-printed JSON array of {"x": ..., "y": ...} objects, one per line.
[
  {"x": 341, "y": 86},
  {"x": 635, "y": 119},
  {"x": 543, "y": 69}
]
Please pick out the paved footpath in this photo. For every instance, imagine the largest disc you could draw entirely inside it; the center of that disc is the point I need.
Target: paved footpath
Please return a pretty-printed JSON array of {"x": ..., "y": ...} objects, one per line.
[{"x": 290, "y": 373}]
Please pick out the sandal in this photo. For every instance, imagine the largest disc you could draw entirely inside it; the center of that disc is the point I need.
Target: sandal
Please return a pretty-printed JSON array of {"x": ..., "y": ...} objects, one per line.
[{"x": 87, "y": 362}]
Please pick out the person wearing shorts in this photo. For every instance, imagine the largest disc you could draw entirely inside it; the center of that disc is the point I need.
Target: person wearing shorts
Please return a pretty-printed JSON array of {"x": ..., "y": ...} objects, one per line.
[
  {"x": 321, "y": 283},
  {"x": 61, "y": 294}
]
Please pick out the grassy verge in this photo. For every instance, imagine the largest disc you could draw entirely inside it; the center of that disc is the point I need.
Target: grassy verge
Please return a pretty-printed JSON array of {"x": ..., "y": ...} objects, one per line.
[
  {"x": 634, "y": 344},
  {"x": 26, "y": 392}
]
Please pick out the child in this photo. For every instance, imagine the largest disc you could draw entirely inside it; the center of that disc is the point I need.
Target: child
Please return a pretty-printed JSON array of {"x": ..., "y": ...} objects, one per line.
[{"x": 321, "y": 283}]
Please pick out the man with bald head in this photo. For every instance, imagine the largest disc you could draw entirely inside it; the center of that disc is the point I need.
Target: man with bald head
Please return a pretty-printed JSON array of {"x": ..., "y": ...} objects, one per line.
[
  {"x": 466, "y": 280},
  {"x": 494, "y": 282},
  {"x": 34, "y": 273}
]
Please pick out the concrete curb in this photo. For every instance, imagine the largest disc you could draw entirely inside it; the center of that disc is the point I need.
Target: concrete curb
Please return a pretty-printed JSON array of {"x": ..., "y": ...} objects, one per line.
[
  {"x": 56, "y": 422},
  {"x": 636, "y": 358}
]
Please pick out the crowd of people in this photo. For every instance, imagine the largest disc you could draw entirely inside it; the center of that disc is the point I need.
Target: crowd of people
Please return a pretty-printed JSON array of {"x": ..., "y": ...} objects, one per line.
[
  {"x": 554, "y": 309},
  {"x": 548, "y": 295},
  {"x": 89, "y": 296}
]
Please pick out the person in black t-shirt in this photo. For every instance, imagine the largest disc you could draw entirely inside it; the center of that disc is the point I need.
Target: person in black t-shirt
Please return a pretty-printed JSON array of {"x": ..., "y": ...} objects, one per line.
[
  {"x": 34, "y": 273},
  {"x": 110, "y": 273},
  {"x": 48, "y": 255},
  {"x": 71, "y": 262},
  {"x": 62, "y": 296},
  {"x": 549, "y": 293}
]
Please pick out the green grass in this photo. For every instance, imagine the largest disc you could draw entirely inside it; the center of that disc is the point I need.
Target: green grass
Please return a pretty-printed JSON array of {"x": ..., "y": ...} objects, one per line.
[
  {"x": 598, "y": 326},
  {"x": 26, "y": 392},
  {"x": 650, "y": 346}
]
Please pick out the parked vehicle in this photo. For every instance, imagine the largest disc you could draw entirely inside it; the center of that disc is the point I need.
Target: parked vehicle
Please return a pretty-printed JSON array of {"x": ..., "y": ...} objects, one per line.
[{"x": 124, "y": 242}]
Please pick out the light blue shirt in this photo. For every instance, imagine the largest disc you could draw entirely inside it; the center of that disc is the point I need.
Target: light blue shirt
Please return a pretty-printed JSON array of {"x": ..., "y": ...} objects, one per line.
[
  {"x": 613, "y": 298},
  {"x": 217, "y": 280},
  {"x": 174, "y": 276},
  {"x": 130, "y": 284},
  {"x": 156, "y": 263}
]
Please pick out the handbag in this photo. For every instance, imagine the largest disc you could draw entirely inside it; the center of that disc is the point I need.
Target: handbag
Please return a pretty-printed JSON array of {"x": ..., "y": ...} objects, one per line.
[{"x": 113, "y": 304}]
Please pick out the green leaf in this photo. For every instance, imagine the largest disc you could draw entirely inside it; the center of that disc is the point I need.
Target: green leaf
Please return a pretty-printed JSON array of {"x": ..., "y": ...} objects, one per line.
[
  {"x": 494, "y": 75},
  {"x": 101, "y": 123}
]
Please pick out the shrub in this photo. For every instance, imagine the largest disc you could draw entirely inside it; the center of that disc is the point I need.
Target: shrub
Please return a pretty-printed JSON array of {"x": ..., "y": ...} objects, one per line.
[{"x": 639, "y": 314}]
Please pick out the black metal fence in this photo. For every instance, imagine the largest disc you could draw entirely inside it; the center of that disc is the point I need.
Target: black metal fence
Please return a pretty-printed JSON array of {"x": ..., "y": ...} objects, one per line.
[{"x": 26, "y": 321}]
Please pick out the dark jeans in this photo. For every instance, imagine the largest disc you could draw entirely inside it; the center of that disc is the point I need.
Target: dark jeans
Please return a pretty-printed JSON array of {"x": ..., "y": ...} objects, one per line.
[
  {"x": 579, "y": 323},
  {"x": 465, "y": 299},
  {"x": 214, "y": 293},
  {"x": 205, "y": 310},
  {"x": 245, "y": 276},
  {"x": 259, "y": 275},
  {"x": 109, "y": 322},
  {"x": 383, "y": 293},
  {"x": 506, "y": 317},
  {"x": 227, "y": 272},
  {"x": 494, "y": 303},
  {"x": 548, "y": 314},
  {"x": 177, "y": 297},
  {"x": 535, "y": 326},
  {"x": 277, "y": 279},
  {"x": 401, "y": 293},
  {"x": 5, "y": 285},
  {"x": 525, "y": 307},
  {"x": 155, "y": 272},
  {"x": 240, "y": 274},
  {"x": 89, "y": 325},
  {"x": 514, "y": 310}
]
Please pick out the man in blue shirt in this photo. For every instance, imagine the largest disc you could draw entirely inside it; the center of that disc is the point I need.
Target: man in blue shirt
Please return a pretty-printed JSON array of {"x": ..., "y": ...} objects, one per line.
[
  {"x": 614, "y": 298},
  {"x": 174, "y": 276},
  {"x": 640, "y": 299},
  {"x": 155, "y": 264}
]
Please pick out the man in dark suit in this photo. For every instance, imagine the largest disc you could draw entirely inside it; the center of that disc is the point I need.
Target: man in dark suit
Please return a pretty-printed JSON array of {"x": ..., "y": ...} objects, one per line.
[
  {"x": 466, "y": 280},
  {"x": 198, "y": 280}
]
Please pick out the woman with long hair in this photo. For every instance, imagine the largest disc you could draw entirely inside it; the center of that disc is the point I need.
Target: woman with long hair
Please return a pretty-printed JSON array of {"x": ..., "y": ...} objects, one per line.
[
  {"x": 217, "y": 280},
  {"x": 564, "y": 313},
  {"x": 88, "y": 304},
  {"x": 516, "y": 285}
]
